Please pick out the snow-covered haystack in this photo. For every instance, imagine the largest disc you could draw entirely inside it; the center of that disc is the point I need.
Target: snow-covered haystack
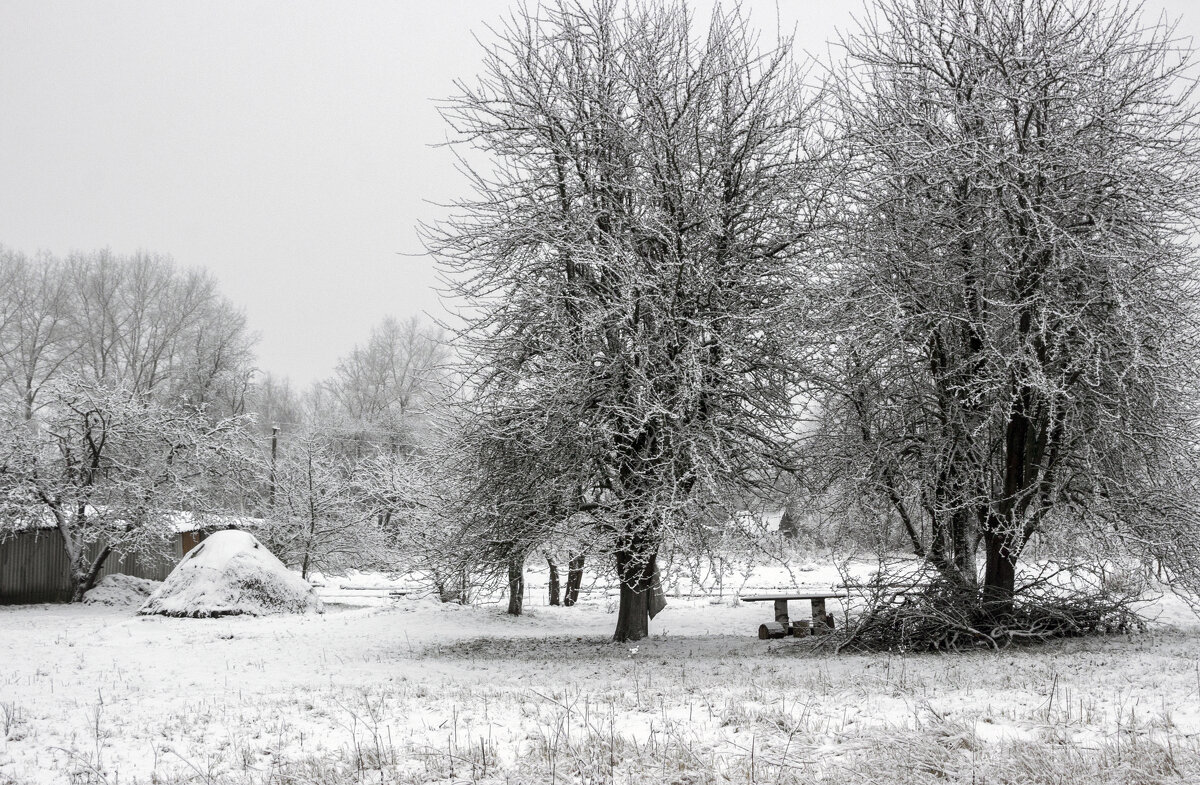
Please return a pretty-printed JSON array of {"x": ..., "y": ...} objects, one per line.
[
  {"x": 228, "y": 574},
  {"x": 121, "y": 590}
]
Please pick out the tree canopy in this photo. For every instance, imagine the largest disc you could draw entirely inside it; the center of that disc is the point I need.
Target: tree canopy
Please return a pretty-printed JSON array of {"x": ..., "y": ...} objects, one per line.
[{"x": 631, "y": 261}]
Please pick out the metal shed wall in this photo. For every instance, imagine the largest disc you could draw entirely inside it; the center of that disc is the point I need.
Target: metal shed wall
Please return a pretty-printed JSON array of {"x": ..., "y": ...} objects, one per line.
[{"x": 34, "y": 566}]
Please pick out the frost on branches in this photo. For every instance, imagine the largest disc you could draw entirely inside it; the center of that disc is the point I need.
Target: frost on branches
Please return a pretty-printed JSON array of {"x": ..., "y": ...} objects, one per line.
[
  {"x": 632, "y": 263},
  {"x": 1014, "y": 310}
]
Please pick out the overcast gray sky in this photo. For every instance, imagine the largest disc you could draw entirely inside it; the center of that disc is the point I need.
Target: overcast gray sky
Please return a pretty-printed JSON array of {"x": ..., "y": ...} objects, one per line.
[{"x": 285, "y": 146}]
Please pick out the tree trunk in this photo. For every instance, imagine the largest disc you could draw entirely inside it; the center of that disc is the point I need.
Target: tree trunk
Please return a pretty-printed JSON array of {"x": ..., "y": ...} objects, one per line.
[
  {"x": 83, "y": 576},
  {"x": 555, "y": 589},
  {"x": 1000, "y": 575},
  {"x": 635, "y": 570},
  {"x": 574, "y": 580},
  {"x": 964, "y": 549},
  {"x": 516, "y": 585},
  {"x": 312, "y": 513},
  {"x": 789, "y": 524}
]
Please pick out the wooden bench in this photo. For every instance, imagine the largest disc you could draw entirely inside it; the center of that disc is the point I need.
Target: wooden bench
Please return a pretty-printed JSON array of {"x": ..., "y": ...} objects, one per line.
[
  {"x": 782, "y": 625},
  {"x": 392, "y": 590}
]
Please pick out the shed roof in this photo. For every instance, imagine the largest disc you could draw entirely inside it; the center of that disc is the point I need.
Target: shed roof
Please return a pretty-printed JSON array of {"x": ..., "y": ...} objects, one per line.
[{"x": 180, "y": 520}]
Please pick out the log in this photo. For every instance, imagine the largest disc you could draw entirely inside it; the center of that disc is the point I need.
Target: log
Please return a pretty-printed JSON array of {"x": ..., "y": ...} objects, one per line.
[{"x": 771, "y": 629}]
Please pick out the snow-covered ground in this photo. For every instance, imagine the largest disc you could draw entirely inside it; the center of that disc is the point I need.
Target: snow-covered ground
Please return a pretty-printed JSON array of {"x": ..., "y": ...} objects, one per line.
[{"x": 405, "y": 689}]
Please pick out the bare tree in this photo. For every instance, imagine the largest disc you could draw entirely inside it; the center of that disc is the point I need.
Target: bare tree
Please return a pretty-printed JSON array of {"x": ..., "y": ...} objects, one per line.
[
  {"x": 38, "y": 339},
  {"x": 385, "y": 388},
  {"x": 630, "y": 264},
  {"x": 215, "y": 365},
  {"x": 421, "y": 509},
  {"x": 275, "y": 402},
  {"x": 135, "y": 321},
  {"x": 161, "y": 331},
  {"x": 1014, "y": 303}
]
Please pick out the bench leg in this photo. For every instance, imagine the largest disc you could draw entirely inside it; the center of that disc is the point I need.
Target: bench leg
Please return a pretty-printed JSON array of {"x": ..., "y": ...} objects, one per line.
[
  {"x": 818, "y": 616},
  {"x": 781, "y": 613}
]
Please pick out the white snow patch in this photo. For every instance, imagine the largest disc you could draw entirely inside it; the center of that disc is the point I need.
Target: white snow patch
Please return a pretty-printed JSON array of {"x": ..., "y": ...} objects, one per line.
[
  {"x": 90, "y": 693},
  {"x": 230, "y": 574},
  {"x": 121, "y": 591}
]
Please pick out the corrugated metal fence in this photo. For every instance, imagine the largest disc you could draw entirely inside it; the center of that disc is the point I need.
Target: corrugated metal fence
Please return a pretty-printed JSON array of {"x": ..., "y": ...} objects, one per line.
[{"x": 34, "y": 566}]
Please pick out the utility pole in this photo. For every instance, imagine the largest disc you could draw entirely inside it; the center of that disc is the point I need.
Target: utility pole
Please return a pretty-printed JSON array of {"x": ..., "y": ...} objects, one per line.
[{"x": 274, "y": 450}]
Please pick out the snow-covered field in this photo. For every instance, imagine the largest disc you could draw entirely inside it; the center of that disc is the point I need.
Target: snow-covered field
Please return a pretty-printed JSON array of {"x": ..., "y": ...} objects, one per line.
[{"x": 409, "y": 690}]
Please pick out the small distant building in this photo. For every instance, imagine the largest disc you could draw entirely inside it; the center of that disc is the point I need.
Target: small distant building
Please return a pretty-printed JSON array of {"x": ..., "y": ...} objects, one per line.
[
  {"x": 758, "y": 522},
  {"x": 34, "y": 565}
]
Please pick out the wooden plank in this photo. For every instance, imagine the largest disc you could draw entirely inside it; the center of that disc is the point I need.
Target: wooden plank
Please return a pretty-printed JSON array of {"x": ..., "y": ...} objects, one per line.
[
  {"x": 795, "y": 596},
  {"x": 885, "y": 585}
]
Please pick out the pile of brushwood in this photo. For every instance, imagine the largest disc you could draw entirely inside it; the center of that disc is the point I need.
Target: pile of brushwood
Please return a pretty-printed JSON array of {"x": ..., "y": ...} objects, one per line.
[{"x": 943, "y": 616}]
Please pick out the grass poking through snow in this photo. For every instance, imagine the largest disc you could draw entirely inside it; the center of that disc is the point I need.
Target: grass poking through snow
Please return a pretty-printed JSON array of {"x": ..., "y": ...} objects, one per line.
[{"x": 389, "y": 696}]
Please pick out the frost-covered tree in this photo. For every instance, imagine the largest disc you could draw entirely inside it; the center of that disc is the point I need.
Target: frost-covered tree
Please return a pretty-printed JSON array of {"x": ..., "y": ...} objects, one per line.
[
  {"x": 628, "y": 267},
  {"x": 161, "y": 331},
  {"x": 340, "y": 447},
  {"x": 1014, "y": 309},
  {"x": 276, "y": 404},
  {"x": 421, "y": 509},
  {"x": 106, "y": 465},
  {"x": 318, "y": 518}
]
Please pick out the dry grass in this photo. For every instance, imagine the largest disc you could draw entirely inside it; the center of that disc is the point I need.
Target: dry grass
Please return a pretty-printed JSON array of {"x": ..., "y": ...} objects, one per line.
[
  {"x": 692, "y": 712},
  {"x": 937, "y": 753}
]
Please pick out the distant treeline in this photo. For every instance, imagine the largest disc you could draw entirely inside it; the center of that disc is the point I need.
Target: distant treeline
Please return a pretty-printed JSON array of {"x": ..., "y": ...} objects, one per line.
[{"x": 138, "y": 321}]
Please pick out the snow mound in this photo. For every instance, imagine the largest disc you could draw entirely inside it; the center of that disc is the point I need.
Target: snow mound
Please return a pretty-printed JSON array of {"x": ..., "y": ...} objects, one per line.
[
  {"x": 121, "y": 590},
  {"x": 231, "y": 573}
]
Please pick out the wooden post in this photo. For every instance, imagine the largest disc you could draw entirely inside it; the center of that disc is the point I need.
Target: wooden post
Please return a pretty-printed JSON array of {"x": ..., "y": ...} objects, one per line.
[
  {"x": 818, "y": 616},
  {"x": 781, "y": 614}
]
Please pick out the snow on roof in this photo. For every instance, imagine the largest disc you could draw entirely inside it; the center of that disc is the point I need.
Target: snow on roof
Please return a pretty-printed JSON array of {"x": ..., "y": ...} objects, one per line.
[
  {"x": 180, "y": 520},
  {"x": 183, "y": 521}
]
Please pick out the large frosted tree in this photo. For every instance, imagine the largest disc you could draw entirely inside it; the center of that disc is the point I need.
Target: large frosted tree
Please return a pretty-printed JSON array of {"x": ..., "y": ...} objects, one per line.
[
  {"x": 629, "y": 266},
  {"x": 1015, "y": 301}
]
